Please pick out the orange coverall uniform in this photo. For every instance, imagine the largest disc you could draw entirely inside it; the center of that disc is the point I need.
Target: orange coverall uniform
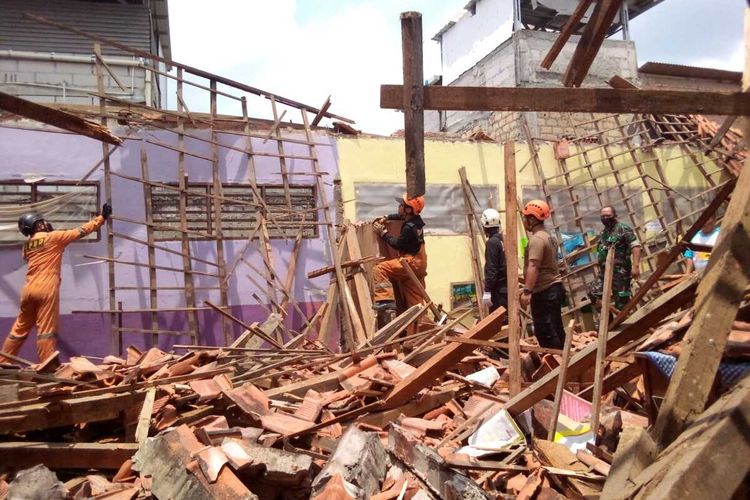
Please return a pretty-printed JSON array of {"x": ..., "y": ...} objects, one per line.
[
  {"x": 410, "y": 244},
  {"x": 40, "y": 297}
]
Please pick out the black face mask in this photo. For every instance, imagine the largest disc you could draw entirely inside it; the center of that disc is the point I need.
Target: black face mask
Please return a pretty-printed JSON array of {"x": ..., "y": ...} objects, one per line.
[{"x": 608, "y": 221}]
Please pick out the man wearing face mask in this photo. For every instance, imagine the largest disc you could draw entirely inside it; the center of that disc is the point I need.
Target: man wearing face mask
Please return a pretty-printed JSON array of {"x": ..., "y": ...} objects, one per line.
[{"x": 620, "y": 238}]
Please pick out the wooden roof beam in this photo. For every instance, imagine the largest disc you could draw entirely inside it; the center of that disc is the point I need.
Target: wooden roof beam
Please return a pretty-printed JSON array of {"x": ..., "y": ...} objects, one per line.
[
  {"x": 57, "y": 118},
  {"x": 579, "y": 100}
]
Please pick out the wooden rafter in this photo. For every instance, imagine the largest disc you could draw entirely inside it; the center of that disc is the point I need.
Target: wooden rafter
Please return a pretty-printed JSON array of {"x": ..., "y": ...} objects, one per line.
[{"x": 57, "y": 118}]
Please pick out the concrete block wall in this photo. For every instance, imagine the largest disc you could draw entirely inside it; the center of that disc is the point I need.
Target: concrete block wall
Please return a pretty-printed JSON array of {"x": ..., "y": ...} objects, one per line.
[
  {"x": 517, "y": 63},
  {"x": 497, "y": 69},
  {"x": 55, "y": 81},
  {"x": 616, "y": 57}
]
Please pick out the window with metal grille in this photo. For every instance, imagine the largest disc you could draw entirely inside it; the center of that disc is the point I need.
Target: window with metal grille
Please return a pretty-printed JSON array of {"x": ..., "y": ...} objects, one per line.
[
  {"x": 77, "y": 204},
  {"x": 239, "y": 211}
]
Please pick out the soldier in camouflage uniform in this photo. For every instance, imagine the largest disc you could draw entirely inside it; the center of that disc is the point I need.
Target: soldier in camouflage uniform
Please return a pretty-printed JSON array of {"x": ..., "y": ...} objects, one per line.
[{"x": 623, "y": 239}]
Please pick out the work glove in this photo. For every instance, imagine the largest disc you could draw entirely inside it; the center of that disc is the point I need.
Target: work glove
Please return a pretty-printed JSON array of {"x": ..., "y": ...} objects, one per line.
[
  {"x": 378, "y": 226},
  {"x": 487, "y": 299},
  {"x": 106, "y": 211}
]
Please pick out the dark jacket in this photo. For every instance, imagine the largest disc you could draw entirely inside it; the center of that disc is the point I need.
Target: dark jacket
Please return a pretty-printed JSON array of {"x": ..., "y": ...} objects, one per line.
[
  {"x": 411, "y": 237},
  {"x": 495, "y": 277}
]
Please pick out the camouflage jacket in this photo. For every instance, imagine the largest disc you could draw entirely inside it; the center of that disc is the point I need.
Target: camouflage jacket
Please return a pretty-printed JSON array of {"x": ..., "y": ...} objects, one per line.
[{"x": 622, "y": 237}]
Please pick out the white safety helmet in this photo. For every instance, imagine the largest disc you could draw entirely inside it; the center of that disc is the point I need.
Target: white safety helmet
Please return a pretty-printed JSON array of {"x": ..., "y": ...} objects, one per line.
[{"x": 490, "y": 218}]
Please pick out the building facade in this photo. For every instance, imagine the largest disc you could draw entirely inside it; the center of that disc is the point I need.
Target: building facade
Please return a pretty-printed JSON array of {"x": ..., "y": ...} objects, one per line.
[{"x": 45, "y": 64}]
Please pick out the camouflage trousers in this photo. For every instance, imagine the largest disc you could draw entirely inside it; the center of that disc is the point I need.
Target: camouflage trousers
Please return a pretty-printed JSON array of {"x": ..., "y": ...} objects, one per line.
[{"x": 620, "y": 288}]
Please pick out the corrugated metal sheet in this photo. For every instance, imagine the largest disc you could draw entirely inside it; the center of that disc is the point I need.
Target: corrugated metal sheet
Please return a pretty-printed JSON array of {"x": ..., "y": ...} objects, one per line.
[{"x": 124, "y": 23}]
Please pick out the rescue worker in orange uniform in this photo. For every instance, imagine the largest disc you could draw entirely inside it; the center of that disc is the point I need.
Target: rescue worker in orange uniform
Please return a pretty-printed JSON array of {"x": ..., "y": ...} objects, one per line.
[
  {"x": 40, "y": 297},
  {"x": 410, "y": 245}
]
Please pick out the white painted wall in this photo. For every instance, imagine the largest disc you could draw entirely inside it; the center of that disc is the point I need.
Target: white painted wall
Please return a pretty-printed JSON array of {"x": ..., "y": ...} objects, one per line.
[{"x": 475, "y": 36}]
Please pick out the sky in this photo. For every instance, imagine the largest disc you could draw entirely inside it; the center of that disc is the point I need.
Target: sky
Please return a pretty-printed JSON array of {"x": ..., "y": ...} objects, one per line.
[{"x": 306, "y": 50}]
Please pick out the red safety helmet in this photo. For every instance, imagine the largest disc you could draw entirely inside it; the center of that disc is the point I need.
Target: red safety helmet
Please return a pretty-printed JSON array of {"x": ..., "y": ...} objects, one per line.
[
  {"x": 416, "y": 204},
  {"x": 537, "y": 208}
]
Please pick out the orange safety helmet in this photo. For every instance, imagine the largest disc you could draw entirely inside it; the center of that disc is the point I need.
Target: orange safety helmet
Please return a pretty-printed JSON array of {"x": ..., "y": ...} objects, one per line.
[
  {"x": 537, "y": 208},
  {"x": 416, "y": 204}
]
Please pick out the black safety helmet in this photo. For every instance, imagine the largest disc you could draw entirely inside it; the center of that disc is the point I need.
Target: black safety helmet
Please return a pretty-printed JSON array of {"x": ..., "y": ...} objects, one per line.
[{"x": 26, "y": 223}]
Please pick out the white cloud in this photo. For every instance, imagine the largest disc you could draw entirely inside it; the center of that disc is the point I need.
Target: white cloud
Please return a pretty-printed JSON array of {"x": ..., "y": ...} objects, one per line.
[
  {"x": 264, "y": 44},
  {"x": 733, "y": 62}
]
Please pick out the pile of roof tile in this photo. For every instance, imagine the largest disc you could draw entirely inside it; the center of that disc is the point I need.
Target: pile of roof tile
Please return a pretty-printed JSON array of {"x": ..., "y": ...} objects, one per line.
[{"x": 300, "y": 423}]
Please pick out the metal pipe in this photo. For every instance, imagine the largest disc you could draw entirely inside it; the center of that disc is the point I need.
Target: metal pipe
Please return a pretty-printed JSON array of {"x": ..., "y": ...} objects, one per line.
[
  {"x": 66, "y": 88},
  {"x": 53, "y": 57}
]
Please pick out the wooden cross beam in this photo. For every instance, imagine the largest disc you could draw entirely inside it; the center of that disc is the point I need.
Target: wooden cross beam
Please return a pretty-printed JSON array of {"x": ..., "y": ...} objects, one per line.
[{"x": 573, "y": 100}]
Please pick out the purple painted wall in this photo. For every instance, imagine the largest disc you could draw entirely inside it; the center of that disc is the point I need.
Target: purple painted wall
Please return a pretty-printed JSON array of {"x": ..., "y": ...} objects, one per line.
[{"x": 62, "y": 156}]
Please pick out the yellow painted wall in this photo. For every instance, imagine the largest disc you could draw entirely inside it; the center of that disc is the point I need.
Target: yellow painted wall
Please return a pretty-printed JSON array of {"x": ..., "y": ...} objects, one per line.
[{"x": 381, "y": 159}]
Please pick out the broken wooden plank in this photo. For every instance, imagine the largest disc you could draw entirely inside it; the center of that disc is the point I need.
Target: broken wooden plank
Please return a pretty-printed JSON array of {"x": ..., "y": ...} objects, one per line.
[
  {"x": 255, "y": 331},
  {"x": 689, "y": 468},
  {"x": 57, "y": 118},
  {"x": 634, "y": 327},
  {"x": 561, "y": 380},
  {"x": 718, "y": 298},
  {"x": 601, "y": 341},
  {"x": 560, "y": 457},
  {"x": 567, "y": 30},
  {"x": 510, "y": 245},
  {"x": 37, "y": 416},
  {"x": 587, "y": 100},
  {"x": 591, "y": 41},
  {"x": 66, "y": 455},
  {"x": 635, "y": 451},
  {"x": 438, "y": 364}
]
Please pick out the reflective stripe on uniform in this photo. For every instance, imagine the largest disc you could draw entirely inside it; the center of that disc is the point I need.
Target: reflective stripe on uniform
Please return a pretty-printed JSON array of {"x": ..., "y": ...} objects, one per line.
[
  {"x": 46, "y": 335},
  {"x": 16, "y": 337}
]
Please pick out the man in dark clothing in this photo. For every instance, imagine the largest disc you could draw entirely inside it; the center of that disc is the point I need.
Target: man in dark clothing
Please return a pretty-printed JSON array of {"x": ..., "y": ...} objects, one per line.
[
  {"x": 623, "y": 240},
  {"x": 410, "y": 245},
  {"x": 542, "y": 281},
  {"x": 495, "y": 276}
]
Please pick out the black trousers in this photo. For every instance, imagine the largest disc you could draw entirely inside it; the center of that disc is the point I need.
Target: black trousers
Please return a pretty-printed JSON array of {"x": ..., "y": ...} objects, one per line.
[
  {"x": 498, "y": 298},
  {"x": 546, "y": 312}
]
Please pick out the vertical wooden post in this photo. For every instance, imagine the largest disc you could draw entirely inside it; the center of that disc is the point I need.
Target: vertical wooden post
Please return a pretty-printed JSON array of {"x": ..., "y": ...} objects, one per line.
[
  {"x": 347, "y": 325},
  {"x": 187, "y": 263},
  {"x": 282, "y": 156},
  {"x": 218, "y": 193},
  {"x": 511, "y": 263},
  {"x": 601, "y": 350},
  {"x": 719, "y": 296},
  {"x": 561, "y": 378},
  {"x": 120, "y": 324},
  {"x": 476, "y": 263},
  {"x": 108, "y": 197},
  {"x": 263, "y": 213},
  {"x": 411, "y": 39},
  {"x": 153, "y": 298}
]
